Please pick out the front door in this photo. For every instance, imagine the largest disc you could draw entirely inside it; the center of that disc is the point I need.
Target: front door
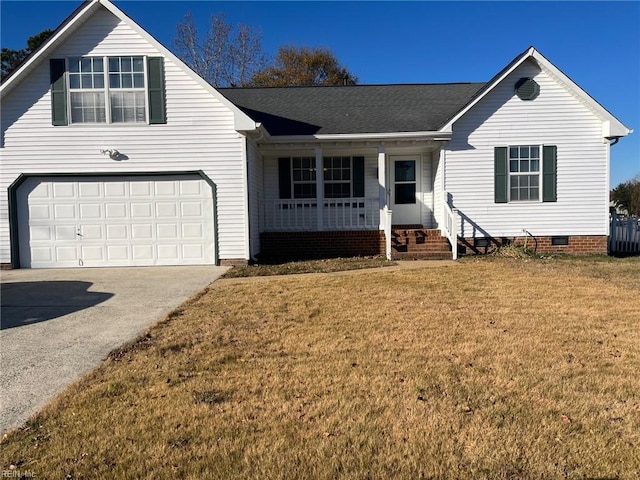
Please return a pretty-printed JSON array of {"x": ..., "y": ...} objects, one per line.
[{"x": 405, "y": 188}]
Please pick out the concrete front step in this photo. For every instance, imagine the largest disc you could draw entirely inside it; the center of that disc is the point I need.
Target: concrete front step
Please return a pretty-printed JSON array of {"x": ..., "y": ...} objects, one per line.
[{"x": 420, "y": 255}]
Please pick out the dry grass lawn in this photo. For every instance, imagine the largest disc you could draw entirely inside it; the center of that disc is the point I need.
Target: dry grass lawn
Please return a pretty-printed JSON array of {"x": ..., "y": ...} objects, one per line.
[{"x": 490, "y": 368}]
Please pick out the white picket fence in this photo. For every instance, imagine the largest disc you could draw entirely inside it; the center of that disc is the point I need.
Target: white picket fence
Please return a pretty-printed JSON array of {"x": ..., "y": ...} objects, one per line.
[{"x": 624, "y": 234}]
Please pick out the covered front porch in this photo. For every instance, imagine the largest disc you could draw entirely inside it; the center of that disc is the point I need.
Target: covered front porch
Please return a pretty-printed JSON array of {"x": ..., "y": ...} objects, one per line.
[{"x": 328, "y": 191}]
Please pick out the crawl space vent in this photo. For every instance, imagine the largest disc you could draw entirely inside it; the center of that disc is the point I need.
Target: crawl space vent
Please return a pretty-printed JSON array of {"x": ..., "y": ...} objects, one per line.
[{"x": 527, "y": 89}]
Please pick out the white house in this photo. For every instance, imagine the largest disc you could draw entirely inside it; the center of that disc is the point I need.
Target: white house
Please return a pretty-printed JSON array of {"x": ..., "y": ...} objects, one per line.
[{"x": 115, "y": 153}]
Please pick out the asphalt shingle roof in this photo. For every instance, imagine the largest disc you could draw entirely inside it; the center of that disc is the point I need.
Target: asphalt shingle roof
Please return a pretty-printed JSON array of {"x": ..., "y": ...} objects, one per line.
[{"x": 353, "y": 109}]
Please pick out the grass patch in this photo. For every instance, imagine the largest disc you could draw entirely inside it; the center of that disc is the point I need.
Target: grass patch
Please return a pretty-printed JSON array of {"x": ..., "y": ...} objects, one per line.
[
  {"x": 326, "y": 265},
  {"x": 485, "y": 368}
]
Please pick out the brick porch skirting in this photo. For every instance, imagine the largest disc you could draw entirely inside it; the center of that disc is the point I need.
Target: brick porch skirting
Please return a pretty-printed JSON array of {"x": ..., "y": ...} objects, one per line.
[
  {"x": 302, "y": 245},
  {"x": 575, "y": 244}
]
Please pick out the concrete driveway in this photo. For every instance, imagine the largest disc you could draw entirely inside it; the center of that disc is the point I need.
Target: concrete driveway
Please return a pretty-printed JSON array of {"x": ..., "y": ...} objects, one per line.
[{"x": 58, "y": 324}]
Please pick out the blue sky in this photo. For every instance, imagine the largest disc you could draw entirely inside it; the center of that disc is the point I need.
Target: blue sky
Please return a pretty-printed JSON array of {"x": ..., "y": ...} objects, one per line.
[{"x": 597, "y": 44}]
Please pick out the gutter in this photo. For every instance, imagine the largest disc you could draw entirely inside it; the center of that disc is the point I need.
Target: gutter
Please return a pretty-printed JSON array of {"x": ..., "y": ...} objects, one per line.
[{"x": 428, "y": 135}]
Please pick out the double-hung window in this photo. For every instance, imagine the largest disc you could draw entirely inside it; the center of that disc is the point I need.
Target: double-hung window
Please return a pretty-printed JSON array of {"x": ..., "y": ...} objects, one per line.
[
  {"x": 525, "y": 173},
  {"x": 337, "y": 177},
  {"x": 127, "y": 89},
  {"x": 303, "y": 174},
  {"x": 342, "y": 177},
  {"x": 121, "y": 86},
  {"x": 122, "y": 89},
  {"x": 86, "y": 90}
]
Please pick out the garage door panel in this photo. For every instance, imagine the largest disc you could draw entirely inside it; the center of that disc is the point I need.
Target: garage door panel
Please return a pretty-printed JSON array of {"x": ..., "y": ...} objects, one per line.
[
  {"x": 168, "y": 252},
  {"x": 192, "y": 231},
  {"x": 116, "y": 221},
  {"x": 191, "y": 209},
  {"x": 192, "y": 251},
  {"x": 167, "y": 230},
  {"x": 42, "y": 254},
  {"x": 142, "y": 231},
  {"x": 167, "y": 210},
  {"x": 115, "y": 189},
  {"x": 92, "y": 253},
  {"x": 140, "y": 189},
  {"x": 64, "y": 212},
  {"x": 190, "y": 187},
  {"x": 115, "y": 210},
  {"x": 141, "y": 210},
  {"x": 92, "y": 232},
  {"x": 117, "y": 253},
  {"x": 90, "y": 211},
  {"x": 166, "y": 189},
  {"x": 89, "y": 189},
  {"x": 117, "y": 232},
  {"x": 65, "y": 233},
  {"x": 66, "y": 253},
  {"x": 142, "y": 252},
  {"x": 63, "y": 190}
]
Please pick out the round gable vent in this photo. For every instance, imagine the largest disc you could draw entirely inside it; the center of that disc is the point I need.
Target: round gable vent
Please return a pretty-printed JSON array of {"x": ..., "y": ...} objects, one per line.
[{"x": 527, "y": 89}]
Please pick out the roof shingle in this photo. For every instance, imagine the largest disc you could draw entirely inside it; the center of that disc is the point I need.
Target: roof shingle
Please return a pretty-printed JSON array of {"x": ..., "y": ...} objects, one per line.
[{"x": 354, "y": 108}]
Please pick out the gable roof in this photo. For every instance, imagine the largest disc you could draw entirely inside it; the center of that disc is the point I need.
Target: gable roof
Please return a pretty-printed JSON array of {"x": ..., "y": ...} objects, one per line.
[
  {"x": 352, "y": 109},
  {"x": 77, "y": 18},
  {"x": 612, "y": 127}
]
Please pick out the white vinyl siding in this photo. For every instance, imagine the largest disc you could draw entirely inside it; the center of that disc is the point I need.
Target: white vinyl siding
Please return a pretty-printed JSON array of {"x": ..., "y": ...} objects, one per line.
[
  {"x": 555, "y": 117},
  {"x": 199, "y": 134},
  {"x": 256, "y": 195}
]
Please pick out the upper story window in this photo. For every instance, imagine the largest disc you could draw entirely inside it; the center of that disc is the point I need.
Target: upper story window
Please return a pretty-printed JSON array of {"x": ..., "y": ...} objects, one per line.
[
  {"x": 121, "y": 86},
  {"x": 98, "y": 90}
]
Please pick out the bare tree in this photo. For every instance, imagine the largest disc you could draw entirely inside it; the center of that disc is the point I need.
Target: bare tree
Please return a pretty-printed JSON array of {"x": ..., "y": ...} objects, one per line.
[{"x": 225, "y": 56}]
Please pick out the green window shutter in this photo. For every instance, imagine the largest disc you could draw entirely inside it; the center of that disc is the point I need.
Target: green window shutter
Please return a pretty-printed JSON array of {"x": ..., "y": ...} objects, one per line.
[
  {"x": 549, "y": 173},
  {"x": 284, "y": 177},
  {"x": 155, "y": 82},
  {"x": 358, "y": 177},
  {"x": 501, "y": 172},
  {"x": 57, "y": 69}
]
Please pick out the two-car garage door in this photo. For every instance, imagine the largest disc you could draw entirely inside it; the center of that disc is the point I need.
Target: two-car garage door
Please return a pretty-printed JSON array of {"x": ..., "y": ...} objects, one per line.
[{"x": 115, "y": 221}]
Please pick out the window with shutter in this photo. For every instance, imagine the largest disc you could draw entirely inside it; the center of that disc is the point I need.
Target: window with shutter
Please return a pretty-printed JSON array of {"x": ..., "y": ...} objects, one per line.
[
  {"x": 525, "y": 173},
  {"x": 122, "y": 89}
]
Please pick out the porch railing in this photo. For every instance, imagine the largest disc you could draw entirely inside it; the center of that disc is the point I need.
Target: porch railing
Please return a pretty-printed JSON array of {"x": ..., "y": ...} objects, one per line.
[
  {"x": 450, "y": 230},
  {"x": 337, "y": 214}
]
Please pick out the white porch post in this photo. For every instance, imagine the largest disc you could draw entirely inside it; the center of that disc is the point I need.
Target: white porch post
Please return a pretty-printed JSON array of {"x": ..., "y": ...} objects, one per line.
[
  {"x": 382, "y": 184},
  {"x": 319, "y": 189},
  {"x": 385, "y": 213}
]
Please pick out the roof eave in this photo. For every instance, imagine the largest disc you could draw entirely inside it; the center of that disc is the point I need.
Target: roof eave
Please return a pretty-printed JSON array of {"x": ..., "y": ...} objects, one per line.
[
  {"x": 381, "y": 136},
  {"x": 59, "y": 35}
]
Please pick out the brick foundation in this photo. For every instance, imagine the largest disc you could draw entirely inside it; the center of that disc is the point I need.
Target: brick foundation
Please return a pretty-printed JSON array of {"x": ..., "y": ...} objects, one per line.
[
  {"x": 577, "y": 244},
  {"x": 304, "y": 245}
]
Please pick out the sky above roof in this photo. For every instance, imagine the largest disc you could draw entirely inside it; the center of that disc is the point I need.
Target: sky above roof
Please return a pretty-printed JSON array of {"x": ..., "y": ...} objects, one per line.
[{"x": 597, "y": 44}]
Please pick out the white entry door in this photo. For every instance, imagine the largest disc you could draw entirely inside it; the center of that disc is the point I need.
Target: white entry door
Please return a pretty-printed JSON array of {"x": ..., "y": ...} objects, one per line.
[
  {"x": 115, "y": 221},
  {"x": 405, "y": 189}
]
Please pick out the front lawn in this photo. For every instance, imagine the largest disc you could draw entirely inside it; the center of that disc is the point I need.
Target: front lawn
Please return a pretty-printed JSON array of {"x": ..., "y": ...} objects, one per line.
[{"x": 483, "y": 368}]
